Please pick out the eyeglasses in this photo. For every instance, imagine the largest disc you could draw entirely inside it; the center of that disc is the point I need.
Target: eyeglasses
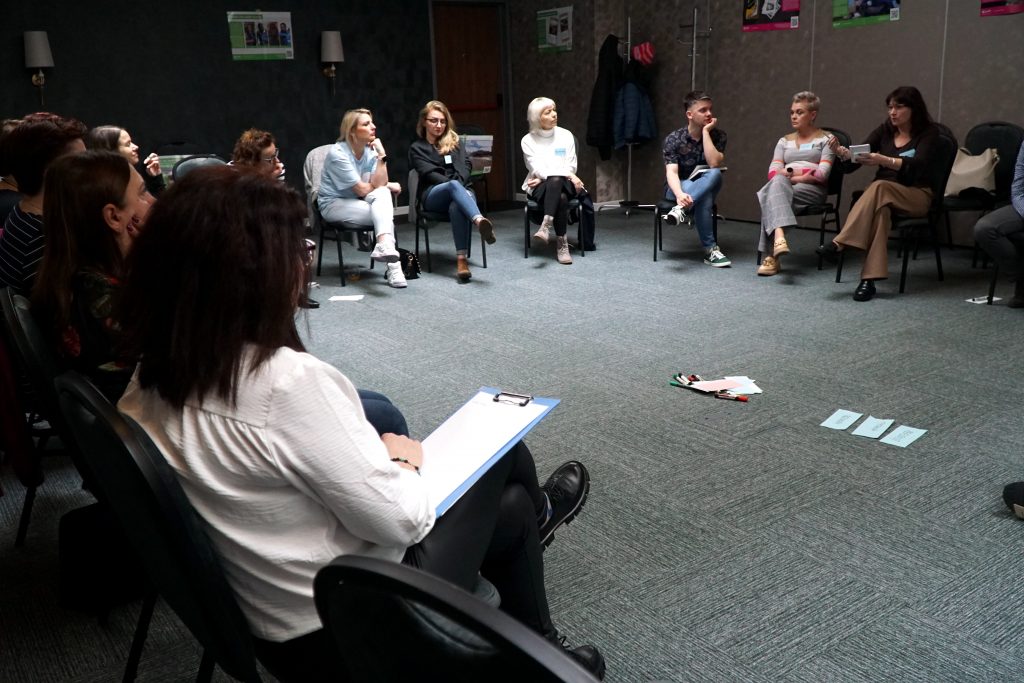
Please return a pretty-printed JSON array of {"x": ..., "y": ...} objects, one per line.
[
  {"x": 272, "y": 160},
  {"x": 436, "y": 122}
]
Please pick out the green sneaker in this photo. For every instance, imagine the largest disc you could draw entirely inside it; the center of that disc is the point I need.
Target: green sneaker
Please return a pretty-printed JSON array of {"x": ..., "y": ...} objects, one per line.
[{"x": 716, "y": 259}]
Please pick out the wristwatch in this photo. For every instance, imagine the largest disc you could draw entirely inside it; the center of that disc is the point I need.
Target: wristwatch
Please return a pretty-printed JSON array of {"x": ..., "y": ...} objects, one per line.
[{"x": 383, "y": 159}]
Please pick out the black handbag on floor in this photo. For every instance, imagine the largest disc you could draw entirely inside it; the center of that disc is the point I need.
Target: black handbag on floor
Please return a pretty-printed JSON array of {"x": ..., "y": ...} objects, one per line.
[{"x": 410, "y": 264}]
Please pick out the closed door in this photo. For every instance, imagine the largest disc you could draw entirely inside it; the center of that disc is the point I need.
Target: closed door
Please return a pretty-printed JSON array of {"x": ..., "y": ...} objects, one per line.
[{"x": 468, "y": 58}]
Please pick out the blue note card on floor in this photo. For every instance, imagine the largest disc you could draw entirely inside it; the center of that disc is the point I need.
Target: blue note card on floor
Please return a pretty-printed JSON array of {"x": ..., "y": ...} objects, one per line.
[{"x": 841, "y": 419}]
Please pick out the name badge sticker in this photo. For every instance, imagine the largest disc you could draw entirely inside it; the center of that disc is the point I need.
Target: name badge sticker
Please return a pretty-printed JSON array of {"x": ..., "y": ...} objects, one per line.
[
  {"x": 448, "y": 159},
  {"x": 908, "y": 153},
  {"x": 560, "y": 152},
  {"x": 807, "y": 145}
]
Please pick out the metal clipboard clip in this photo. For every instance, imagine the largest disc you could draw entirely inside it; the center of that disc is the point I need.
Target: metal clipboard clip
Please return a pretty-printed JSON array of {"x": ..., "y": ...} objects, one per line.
[{"x": 509, "y": 397}]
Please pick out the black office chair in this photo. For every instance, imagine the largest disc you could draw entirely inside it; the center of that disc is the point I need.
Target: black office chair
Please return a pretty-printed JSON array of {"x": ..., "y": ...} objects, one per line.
[
  {"x": 424, "y": 220},
  {"x": 312, "y": 169},
  {"x": 141, "y": 490},
  {"x": 34, "y": 361},
  {"x": 189, "y": 164},
  {"x": 532, "y": 214},
  {"x": 446, "y": 633},
  {"x": 1006, "y": 139},
  {"x": 908, "y": 229}
]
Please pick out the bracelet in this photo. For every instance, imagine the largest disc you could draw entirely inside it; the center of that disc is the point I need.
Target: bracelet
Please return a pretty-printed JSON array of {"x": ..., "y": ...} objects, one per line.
[{"x": 406, "y": 461}]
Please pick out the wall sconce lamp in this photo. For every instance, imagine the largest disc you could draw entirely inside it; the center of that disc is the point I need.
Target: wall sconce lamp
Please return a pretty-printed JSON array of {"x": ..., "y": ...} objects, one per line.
[
  {"x": 38, "y": 56},
  {"x": 331, "y": 54}
]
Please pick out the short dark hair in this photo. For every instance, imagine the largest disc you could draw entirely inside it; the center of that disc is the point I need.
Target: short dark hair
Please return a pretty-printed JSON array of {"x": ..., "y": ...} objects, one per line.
[
  {"x": 909, "y": 96},
  {"x": 214, "y": 282},
  {"x": 35, "y": 143},
  {"x": 693, "y": 97},
  {"x": 249, "y": 147},
  {"x": 76, "y": 189}
]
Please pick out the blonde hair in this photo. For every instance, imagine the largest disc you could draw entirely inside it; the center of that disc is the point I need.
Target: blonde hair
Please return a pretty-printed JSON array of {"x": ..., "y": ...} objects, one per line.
[
  {"x": 812, "y": 101},
  {"x": 450, "y": 140},
  {"x": 348, "y": 122},
  {"x": 536, "y": 108}
]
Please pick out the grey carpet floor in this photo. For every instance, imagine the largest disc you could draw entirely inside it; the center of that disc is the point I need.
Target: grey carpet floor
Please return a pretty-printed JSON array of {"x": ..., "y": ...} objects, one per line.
[{"x": 721, "y": 541}]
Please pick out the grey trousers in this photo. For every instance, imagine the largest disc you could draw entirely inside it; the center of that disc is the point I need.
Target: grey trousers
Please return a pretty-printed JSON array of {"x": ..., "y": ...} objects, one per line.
[
  {"x": 999, "y": 234},
  {"x": 779, "y": 198}
]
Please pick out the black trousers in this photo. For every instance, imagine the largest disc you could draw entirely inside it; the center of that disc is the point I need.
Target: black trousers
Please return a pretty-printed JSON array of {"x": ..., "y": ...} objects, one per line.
[
  {"x": 553, "y": 197},
  {"x": 492, "y": 530}
]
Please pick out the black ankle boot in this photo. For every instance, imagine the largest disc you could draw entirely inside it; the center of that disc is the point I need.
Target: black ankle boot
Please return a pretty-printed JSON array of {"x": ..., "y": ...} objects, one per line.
[
  {"x": 587, "y": 656},
  {"x": 865, "y": 290}
]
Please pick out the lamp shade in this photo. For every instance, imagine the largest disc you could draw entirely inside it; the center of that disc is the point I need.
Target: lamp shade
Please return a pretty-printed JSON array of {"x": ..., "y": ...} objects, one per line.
[
  {"x": 330, "y": 47},
  {"x": 37, "y": 50}
]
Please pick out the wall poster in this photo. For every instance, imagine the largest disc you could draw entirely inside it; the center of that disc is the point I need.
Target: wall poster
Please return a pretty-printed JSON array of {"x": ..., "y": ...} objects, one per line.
[
  {"x": 554, "y": 29},
  {"x": 771, "y": 15},
  {"x": 847, "y": 13},
  {"x": 994, "y": 8},
  {"x": 260, "y": 35}
]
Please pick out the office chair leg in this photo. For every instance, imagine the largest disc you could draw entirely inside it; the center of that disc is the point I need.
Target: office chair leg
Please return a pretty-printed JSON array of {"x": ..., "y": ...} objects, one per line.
[
  {"x": 26, "y": 515},
  {"x": 657, "y": 231},
  {"x": 992, "y": 285},
  {"x": 526, "y": 232},
  {"x": 426, "y": 246},
  {"x": 903, "y": 271},
  {"x": 839, "y": 266},
  {"x": 579, "y": 235},
  {"x": 131, "y": 667},
  {"x": 483, "y": 250}
]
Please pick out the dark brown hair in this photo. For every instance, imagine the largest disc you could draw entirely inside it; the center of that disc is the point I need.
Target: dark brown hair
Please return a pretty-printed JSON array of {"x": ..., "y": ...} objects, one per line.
[
  {"x": 218, "y": 271},
  {"x": 104, "y": 137},
  {"x": 909, "y": 96},
  {"x": 35, "y": 143},
  {"x": 249, "y": 147},
  {"x": 77, "y": 188}
]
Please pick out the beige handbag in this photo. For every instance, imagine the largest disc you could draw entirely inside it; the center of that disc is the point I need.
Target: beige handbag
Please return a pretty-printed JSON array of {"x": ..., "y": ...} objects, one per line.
[{"x": 970, "y": 171}]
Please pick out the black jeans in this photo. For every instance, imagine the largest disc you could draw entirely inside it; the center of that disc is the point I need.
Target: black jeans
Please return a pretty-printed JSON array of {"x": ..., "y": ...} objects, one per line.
[
  {"x": 492, "y": 530},
  {"x": 553, "y": 197}
]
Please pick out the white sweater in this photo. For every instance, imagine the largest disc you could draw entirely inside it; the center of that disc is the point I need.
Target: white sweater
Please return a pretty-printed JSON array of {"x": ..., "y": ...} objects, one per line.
[
  {"x": 549, "y": 153},
  {"x": 286, "y": 480}
]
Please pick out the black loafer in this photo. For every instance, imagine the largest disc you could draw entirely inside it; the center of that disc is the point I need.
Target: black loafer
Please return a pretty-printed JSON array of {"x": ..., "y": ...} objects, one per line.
[
  {"x": 828, "y": 251},
  {"x": 309, "y": 303},
  {"x": 865, "y": 290}
]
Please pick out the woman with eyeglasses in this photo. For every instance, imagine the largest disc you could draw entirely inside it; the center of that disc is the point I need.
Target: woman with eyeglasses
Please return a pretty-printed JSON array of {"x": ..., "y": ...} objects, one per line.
[
  {"x": 117, "y": 139},
  {"x": 443, "y": 169},
  {"x": 258, "y": 150}
]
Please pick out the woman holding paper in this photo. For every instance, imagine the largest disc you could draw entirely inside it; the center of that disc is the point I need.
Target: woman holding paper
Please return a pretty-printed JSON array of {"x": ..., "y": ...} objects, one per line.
[
  {"x": 903, "y": 149},
  {"x": 550, "y": 155},
  {"x": 271, "y": 444},
  {"x": 443, "y": 169},
  {"x": 797, "y": 178}
]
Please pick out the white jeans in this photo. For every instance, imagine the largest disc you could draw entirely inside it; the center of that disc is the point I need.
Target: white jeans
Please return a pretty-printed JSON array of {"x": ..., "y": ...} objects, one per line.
[{"x": 375, "y": 209}]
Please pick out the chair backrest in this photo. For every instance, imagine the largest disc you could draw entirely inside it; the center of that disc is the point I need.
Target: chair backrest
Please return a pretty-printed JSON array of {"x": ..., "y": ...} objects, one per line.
[
  {"x": 1006, "y": 138},
  {"x": 945, "y": 155},
  {"x": 312, "y": 169},
  {"x": 34, "y": 356},
  {"x": 359, "y": 598},
  {"x": 189, "y": 164},
  {"x": 141, "y": 490},
  {"x": 835, "y": 177}
]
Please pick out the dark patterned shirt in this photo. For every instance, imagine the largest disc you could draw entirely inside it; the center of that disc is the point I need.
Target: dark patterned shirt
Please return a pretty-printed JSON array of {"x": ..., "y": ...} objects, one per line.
[
  {"x": 21, "y": 250},
  {"x": 682, "y": 149}
]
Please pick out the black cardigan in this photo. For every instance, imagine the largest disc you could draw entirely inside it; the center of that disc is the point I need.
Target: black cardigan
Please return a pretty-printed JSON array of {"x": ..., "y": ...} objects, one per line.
[{"x": 428, "y": 162}]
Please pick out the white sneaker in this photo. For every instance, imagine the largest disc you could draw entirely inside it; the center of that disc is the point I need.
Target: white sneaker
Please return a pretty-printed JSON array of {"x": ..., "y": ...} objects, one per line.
[
  {"x": 395, "y": 277},
  {"x": 676, "y": 216},
  {"x": 385, "y": 252}
]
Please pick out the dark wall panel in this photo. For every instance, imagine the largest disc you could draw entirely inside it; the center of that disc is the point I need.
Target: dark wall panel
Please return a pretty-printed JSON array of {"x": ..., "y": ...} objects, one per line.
[{"x": 164, "y": 71}]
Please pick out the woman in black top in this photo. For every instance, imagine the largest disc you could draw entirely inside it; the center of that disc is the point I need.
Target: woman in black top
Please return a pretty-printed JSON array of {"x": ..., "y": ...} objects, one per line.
[
  {"x": 904, "y": 150},
  {"x": 443, "y": 169}
]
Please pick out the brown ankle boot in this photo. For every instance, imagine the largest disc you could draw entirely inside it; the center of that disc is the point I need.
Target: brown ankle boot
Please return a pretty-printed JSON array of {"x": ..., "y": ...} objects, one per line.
[{"x": 462, "y": 269}]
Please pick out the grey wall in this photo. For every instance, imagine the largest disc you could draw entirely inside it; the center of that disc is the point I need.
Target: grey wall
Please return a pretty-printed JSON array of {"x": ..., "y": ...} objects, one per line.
[
  {"x": 164, "y": 71},
  {"x": 968, "y": 68}
]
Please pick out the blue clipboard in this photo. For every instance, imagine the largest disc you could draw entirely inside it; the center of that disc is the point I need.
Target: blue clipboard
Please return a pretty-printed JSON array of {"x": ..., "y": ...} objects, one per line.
[{"x": 454, "y": 496}]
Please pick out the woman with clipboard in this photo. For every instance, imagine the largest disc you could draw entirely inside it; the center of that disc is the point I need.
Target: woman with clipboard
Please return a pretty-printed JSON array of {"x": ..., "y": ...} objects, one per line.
[{"x": 271, "y": 445}]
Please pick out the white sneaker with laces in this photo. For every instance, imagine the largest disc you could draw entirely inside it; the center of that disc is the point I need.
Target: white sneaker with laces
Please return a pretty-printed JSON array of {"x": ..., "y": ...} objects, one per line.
[
  {"x": 385, "y": 252},
  {"x": 395, "y": 277},
  {"x": 676, "y": 216}
]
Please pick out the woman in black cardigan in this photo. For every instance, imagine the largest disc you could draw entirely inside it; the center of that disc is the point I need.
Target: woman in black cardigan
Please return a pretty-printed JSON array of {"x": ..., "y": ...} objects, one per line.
[{"x": 443, "y": 169}]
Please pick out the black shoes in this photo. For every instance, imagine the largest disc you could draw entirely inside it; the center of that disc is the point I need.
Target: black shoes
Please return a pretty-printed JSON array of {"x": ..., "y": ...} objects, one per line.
[
  {"x": 587, "y": 656},
  {"x": 865, "y": 291},
  {"x": 309, "y": 303},
  {"x": 828, "y": 251},
  {"x": 566, "y": 490}
]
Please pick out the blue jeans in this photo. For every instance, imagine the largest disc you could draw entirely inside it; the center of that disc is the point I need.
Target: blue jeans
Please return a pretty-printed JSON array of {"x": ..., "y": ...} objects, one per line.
[
  {"x": 382, "y": 414},
  {"x": 703, "y": 190},
  {"x": 454, "y": 198}
]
